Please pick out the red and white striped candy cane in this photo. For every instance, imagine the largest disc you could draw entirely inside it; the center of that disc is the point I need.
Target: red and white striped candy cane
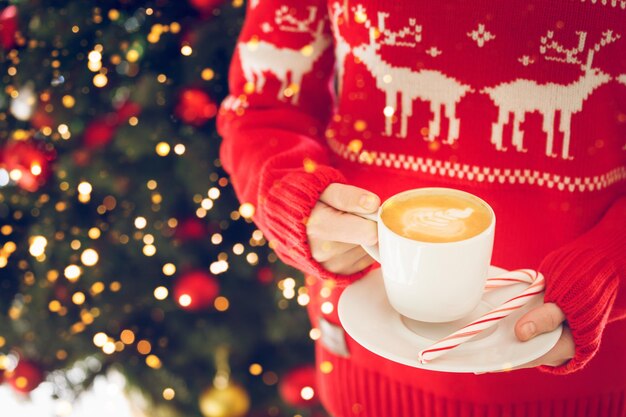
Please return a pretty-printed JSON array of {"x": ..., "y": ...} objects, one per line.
[{"x": 537, "y": 284}]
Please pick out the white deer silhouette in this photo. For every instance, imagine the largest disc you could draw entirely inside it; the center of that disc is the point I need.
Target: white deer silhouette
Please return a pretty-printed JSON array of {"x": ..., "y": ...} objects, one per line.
[
  {"x": 523, "y": 96},
  {"x": 622, "y": 79},
  {"x": 342, "y": 47},
  {"x": 288, "y": 65},
  {"x": 427, "y": 85}
]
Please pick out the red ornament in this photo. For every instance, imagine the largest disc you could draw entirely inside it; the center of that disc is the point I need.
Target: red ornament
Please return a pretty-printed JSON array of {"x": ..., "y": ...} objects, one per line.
[
  {"x": 127, "y": 110},
  {"x": 99, "y": 132},
  {"x": 30, "y": 160},
  {"x": 205, "y": 6},
  {"x": 8, "y": 27},
  {"x": 191, "y": 228},
  {"x": 297, "y": 387},
  {"x": 26, "y": 376},
  {"x": 265, "y": 275},
  {"x": 195, "y": 290},
  {"x": 195, "y": 107},
  {"x": 41, "y": 118}
]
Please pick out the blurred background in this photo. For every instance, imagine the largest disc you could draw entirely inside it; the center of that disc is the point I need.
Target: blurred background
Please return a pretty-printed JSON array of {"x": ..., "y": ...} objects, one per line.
[{"x": 132, "y": 282}]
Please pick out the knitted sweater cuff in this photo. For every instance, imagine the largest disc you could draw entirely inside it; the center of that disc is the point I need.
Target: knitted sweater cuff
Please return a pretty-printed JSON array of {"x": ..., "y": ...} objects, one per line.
[
  {"x": 583, "y": 282},
  {"x": 285, "y": 209}
]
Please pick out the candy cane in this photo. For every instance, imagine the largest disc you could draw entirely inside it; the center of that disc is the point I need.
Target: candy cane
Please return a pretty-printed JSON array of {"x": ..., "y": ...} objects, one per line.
[{"x": 537, "y": 284}]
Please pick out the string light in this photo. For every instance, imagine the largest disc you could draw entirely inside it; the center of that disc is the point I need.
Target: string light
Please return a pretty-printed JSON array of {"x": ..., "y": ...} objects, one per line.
[
  {"x": 89, "y": 257},
  {"x": 37, "y": 246},
  {"x": 99, "y": 339},
  {"x": 169, "y": 394},
  {"x": 169, "y": 269},
  {"x": 72, "y": 272},
  {"x": 160, "y": 293}
]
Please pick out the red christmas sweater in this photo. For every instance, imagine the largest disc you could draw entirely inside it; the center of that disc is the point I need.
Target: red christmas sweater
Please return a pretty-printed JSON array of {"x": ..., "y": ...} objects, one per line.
[{"x": 522, "y": 103}]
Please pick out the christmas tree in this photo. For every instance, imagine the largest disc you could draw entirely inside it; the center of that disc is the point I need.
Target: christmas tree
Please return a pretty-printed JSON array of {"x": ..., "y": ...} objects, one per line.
[{"x": 122, "y": 244}]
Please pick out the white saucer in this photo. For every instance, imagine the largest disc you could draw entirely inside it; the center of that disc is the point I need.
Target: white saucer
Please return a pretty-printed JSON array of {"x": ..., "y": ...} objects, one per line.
[{"x": 367, "y": 316}]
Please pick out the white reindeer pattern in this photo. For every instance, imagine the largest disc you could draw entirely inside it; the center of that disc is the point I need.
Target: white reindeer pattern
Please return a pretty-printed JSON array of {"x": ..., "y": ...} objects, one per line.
[
  {"x": 288, "y": 65},
  {"x": 427, "y": 85},
  {"x": 523, "y": 96},
  {"x": 342, "y": 47}
]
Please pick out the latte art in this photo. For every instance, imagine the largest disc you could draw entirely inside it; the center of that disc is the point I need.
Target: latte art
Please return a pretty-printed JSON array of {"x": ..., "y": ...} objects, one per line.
[
  {"x": 444, "y": 216},
  {"x": 436, "y": 222}
]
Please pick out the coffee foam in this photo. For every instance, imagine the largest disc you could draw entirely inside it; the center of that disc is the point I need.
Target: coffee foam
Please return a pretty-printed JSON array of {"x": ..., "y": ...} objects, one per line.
[
  {"x": 434, "y": 221},
  {"x": 437, "y": 217}
]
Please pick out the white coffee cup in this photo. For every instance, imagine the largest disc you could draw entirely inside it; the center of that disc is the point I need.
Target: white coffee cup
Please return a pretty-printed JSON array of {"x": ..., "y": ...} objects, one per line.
[{"x": 433, "y": 281}]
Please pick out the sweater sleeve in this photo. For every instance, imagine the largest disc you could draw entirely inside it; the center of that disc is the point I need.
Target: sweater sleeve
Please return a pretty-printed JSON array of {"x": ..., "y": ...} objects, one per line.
[
  {"x": 273, "y": 122},
  {"x": 587, "y": 280}
]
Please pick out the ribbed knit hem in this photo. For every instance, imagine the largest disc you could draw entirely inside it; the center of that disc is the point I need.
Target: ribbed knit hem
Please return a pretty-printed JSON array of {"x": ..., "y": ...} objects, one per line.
[
  {"x": 583, "y": 283},
  {"x": 285, "y": 212},
  {"x": 350, "y": 390}
]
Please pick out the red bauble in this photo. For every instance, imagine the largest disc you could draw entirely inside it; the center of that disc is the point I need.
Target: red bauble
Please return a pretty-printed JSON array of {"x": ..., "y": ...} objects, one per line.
[
  {"x": 195, "y": 107},
  {"x": 99, "y": 132},
  {"x": 195, "y": 290},
  {"x": 265, "y": 275},
  {"x": 191, "y": 228},
  {"x": 205, "y": 6},
  {"x": 8, "y": 27},
  {"x": 41, "y": 118},
  {"x": 32, "y": 162},
  {"x": 298, "y": 388},
  {"x": 127, "y": 110},
  {"x": 26, "y": 376}
]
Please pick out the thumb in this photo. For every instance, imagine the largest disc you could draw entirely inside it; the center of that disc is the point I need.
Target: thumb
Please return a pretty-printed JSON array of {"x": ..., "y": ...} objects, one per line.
[{"x": 350, "y": 198}]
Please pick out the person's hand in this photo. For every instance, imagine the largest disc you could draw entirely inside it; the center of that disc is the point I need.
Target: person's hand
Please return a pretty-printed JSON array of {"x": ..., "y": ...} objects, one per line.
[
  {"x": 544, "y": 319},
  {"x": 336, "y": 235}
]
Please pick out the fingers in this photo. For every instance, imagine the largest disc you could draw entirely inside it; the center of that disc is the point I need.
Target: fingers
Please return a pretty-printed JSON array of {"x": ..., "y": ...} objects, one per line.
[
  {"x": 323, "y": 250},
  {"x": 349, "y": 198},
  {"x": 542, "y": 319},
  {"x": 356, "y": 259},
  {"x": 563, "y": 350},
  {"x": 327, "y": 223}
]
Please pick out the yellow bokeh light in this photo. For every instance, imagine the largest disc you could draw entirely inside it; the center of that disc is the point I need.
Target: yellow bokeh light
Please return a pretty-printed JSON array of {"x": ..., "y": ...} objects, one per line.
[
  {"x": 85, "y": 188},
  {"x": 162, "y": 148},
  {"x": 169, "y": 269},
  {"x": 149, "y": 250},
  {"x": 132, "y": 55},
  {"x": 127, "y": 336},
  {"x": 186, "y": 50},
  {"x": 141, "y": 222},
  {"x": 160, "y": 293},
  {"x": 72, "y": 272},
  {"x": 169, "y": 394},
  {"x": 97, "y": 288},
  {"x": 184, "y": 300},
  {"x": 179, "y": 149},
  {"x": 109, "y": 348},
  {"x": 221, "y": 303},
  {"x": 100, "y": 80},
  {"x": 144, "y": 347},
  {"x": 54, "y": 306},
  {"x": 94, "y": 56},
  {"x": 256, "y": 369},
  {"x": 78, "y": 298},
  {"x": 246, "y": 210},
  {"x": 99, "y": 339},
  {"x": 326, "y": 367},
  {"x": 307, "y": 393},
  {"x": 153, "y": 361},
  {"x": 207, "y": 74},
  {"x": 94, "y": 233},
  {"x": 89, "y": 257}
]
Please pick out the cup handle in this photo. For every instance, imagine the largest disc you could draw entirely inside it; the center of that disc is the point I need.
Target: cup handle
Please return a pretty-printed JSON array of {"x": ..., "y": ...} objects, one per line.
[{"x": 372, "y": 250}]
